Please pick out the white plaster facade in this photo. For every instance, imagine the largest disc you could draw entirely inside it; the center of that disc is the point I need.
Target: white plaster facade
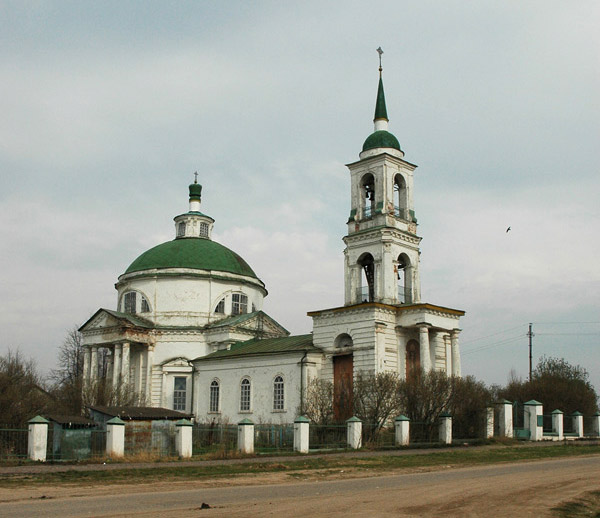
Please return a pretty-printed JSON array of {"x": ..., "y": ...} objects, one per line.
[{"x": 189, "y": 311}]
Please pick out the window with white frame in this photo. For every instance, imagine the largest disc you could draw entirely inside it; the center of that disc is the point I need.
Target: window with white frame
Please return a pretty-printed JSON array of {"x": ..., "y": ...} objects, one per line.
[
  {"x": 179, "y": 393},
  {"x": 203, "y": 229},
  {"x": 239, "y": 304},
  {"x": 214, "y": 397},
  {"x": 278, "y": 394},
  {"x": 220, "y": 306},
  {"x": 181, "y": 229},
  {"x": 245, "y": 395},
  {"x": 130, "y": 302}
]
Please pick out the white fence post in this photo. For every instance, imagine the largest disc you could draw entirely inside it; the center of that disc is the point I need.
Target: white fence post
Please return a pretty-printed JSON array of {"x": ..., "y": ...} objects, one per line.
[
  {"x": 115, "y": 437},
  {"x": 506, "y": 418},
  {"x": 445, "y": 429},
  {"x": 183, "y": 439},
  {"x": 558, "y": 424},
  {"x": 596, "y": 424},
  {"x": 301, "y": 428},
  {"x": 37, "y": 438},
  {"x": 489, "y": 422},
  {"x": 354, "y": 432},
  {"x": 534, "y": 420},
  {"x": 246, "y": 436},
  {"x": 578, "y": 424},
  {"x": 402, "y": 426}
]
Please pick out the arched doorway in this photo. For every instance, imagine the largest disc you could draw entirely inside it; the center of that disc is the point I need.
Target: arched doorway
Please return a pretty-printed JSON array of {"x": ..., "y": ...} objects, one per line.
[
  {"x": 343, "y": 378},
  {"x": 413, "y": 359}
]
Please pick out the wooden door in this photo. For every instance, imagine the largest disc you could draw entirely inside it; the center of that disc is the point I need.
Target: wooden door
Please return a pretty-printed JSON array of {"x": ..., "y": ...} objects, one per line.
[
  {"x": 343, "y": 370},
  {"x": 413, "y": 359}
]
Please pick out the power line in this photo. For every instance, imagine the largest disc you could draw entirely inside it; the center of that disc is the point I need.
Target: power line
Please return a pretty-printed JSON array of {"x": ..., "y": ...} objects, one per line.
[{"x": 493, "y": 334}]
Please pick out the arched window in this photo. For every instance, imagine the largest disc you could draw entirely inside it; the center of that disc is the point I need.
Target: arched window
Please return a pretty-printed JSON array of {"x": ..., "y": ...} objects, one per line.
[
  {"x": 278, "y": 394},
  {"x": 367, "y": 195},
  {"x": 220, "y": 306},
  {"x": 130, "y": 302},
  {"x": 214, "y": 396},
  {"x": 239, "y": 304},
  {"x": 404, "y": 271},
  {"x": 367, "y": 285},
  {"x": 245, "y": 395},
  {"x": 400, "y": 197},
  {"x": 181, "y": 229},
  {"x": 343, "y": 340}
]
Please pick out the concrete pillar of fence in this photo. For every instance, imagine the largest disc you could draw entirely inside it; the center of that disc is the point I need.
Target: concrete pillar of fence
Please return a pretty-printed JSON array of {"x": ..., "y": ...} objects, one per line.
[
  {"x": 115, "y": 437},
  {"x": 505, "y": 418},
  {"x": 354, "y": 433},
  {"x": 183, "y": 439},
  {"x": 402, "y": 426},
  {"x": 246, "y": 436},
  {"x": 578, "y": 424},
  {"x": 301, "y": 426},
  {"x": 596, "y": 424},
  {"x": 534, "y": 420},
  {"x": 489, "y": 422},
  {"x": 37, "y": 438},
  {"x": 445, "y": 429},
  {"x": 558, "y": 424}
]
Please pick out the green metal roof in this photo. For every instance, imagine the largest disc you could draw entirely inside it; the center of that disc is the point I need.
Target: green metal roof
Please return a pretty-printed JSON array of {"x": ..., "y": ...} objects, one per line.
[
  {"x": 195, "y": 191},
  {"x": 381, "y": 138},
  {"x": 193, "y": 253},
  {"x": 133, "y": 319},
  {"x": 238, "y": 319},
  {"x": 380, "y": 109},
  {"x": 286, "y": 344}
]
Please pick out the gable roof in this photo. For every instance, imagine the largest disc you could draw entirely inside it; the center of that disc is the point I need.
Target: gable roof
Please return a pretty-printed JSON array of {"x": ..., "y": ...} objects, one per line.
[
  {"x": 236, "y": 320},
  {"x": 281, "y": 345},
  {"x": 130, "y": 413},
  {"x": 122, "y": 317}
]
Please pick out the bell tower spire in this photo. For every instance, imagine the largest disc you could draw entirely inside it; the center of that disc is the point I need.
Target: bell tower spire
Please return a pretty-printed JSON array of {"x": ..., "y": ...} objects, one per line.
[{"x": 382, "y": 246}]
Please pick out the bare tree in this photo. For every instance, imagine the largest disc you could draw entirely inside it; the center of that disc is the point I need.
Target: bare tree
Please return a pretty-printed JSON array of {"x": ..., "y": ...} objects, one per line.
[{"x": 318, "y": 401}]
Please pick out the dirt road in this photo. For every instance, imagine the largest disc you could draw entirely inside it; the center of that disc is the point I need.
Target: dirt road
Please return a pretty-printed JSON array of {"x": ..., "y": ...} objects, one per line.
[{"x": 502, "y": 490}]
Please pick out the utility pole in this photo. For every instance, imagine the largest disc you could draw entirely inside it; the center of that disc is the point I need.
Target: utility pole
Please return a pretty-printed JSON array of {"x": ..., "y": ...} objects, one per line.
[{"x": 530, "y": 335}]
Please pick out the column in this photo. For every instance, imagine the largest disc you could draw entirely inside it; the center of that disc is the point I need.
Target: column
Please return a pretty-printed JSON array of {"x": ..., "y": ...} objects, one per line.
[
  {"x": 424, "y": 348},
  {"x": 506, "y": 418},
  {"x": 149, "y": 360},
  {"x": 354, "y": 433},
  {"x": 115, "y": 437},
  {"x": 301, "y": 436},
  {"x": 37, "y": 438},
  {"x": 183, "y": 440},
  {"x": 138, "y": 380},
  {"x": 448, "y": 348},
  {"x": 455, "y": 352},
  {"x": 402, "y": 429},
  {"x": 116, "y": 365},
  {"x": 534, "y": 420},
  {"x": 86, "y": 366},
  {"x": 94, "y": 364},
  {"x": 246, "y": 436},
  {"x": 445, "y": 429},
  {"x": 125, "y": 364},
  {"x": 558, "y": 424}
]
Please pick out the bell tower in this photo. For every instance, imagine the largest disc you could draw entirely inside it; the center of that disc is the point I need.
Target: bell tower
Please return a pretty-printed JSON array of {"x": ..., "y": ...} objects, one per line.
[{"x": 382, "y": 245}]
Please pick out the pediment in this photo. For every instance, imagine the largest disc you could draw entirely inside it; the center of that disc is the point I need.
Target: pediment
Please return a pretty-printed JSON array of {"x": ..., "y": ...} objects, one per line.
[
  {"x": 102, "y": 319},
  {"x": 252, "y": 323}
]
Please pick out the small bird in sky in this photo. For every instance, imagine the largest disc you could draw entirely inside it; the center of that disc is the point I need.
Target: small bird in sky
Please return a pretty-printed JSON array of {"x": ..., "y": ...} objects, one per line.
[{"x": 508, "y": 230}]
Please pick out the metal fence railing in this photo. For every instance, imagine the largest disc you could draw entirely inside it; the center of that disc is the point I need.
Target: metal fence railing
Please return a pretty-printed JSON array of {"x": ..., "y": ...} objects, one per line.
[
  {"x": 213, "y": 437},
  {"x": 378, "y": 437},
  {"x": 75, "y": 444},
  {"x": 328, "y": 437},
  {"x": 589, "y": 429},
  {"x": 13, "y": 442},
  {"x": 423, "y": 432},
  {"x": 273, "y": 437}
]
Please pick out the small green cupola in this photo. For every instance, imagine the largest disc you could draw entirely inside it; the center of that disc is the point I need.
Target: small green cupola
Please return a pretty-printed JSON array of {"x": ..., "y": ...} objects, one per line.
[
  {"x": 193, "y": 223},
  {"x": 195, "y": 191},
  {"x": 381, "y": 137}
]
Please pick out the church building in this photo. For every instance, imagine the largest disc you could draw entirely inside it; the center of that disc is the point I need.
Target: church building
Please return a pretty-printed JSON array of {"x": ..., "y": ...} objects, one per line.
[{"x": 189, "y": 332}]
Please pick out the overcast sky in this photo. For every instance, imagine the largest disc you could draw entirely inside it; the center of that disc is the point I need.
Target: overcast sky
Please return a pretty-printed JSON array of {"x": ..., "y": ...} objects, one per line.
[{"x": 107, "y": 109}]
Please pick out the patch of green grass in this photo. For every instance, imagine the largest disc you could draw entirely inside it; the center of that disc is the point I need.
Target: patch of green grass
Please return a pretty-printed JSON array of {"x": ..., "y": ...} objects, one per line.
[
  {"x": 586, "y": 506},
  {"x": 175, "y": 471}
]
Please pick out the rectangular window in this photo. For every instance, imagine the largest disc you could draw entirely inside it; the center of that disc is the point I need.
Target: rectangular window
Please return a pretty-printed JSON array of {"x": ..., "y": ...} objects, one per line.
[
  {"x": 239, "y": 304},
  {"x": 179, "y": 393},
  {"x": 203, "y": 229},
  {"x": 130, "y": 303}
]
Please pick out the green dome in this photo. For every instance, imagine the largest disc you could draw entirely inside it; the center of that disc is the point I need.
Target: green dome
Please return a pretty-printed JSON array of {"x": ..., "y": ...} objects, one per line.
[
  {"x": 381, "y": 138},
  {"x": 195, "y": 190},
  {"x": 195, "y": 253}
]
